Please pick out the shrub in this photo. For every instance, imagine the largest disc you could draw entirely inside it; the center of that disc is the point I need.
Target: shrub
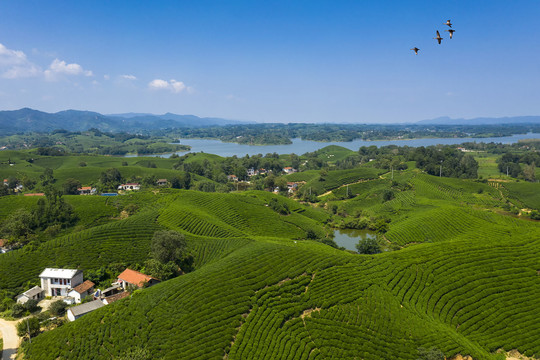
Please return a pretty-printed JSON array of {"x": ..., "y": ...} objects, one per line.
[
  {"x": 368, "y": 246},
  {"x": 58, "y": 308}
]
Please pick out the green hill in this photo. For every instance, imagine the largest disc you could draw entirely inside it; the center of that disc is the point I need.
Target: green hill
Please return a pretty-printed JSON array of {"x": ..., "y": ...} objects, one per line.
[{"x": 464, "y": 278}]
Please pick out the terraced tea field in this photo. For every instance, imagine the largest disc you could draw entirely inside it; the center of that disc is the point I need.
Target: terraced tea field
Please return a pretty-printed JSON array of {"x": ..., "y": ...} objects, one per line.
[{"x": 465, "y": 279}]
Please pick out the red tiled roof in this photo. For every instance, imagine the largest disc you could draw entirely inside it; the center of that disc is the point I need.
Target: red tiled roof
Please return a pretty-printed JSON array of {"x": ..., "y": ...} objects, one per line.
[
  {"x": 3, "y": 242},
  {"x": 116, "y": 297},
  {"x": 134, "y": 277},
  {"x": 84, "y": 287},
  {"x": 85, "y": 188}
]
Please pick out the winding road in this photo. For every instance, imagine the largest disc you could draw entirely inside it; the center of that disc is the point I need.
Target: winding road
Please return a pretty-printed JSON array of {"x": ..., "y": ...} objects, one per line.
[{"x": 11, "y": 340}]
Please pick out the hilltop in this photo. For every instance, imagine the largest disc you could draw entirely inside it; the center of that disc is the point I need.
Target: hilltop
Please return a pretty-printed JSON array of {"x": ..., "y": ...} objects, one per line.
[{"x": 30, "y": 120}]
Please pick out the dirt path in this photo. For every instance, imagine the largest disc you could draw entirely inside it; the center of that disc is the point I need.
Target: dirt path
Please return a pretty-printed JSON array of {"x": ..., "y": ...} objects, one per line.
[
  {"x": 11, "y": 340},
  {"x": 342, "y": 186}
]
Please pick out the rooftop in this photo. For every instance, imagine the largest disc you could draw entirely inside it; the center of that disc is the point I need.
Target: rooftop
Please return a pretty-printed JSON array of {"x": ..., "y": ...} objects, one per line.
[
  {"x": 84, "y": 287},
  {"x": 58, "y": 273},
  {"x": 135, "y": 277},
  {"x": 116, "y": 297},
  {"x": 32, "y": 292},
  {"x": 85, "y": 188},
  {"x": 86, "y": 307}
]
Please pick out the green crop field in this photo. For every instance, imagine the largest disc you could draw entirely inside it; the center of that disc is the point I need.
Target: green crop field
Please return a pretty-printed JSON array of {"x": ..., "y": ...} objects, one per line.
[{"x": 460, "y": 273}]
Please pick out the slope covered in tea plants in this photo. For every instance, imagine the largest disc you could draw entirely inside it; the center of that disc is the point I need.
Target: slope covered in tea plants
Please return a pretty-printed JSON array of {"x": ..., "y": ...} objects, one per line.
[{"x": 304, "y": 300}]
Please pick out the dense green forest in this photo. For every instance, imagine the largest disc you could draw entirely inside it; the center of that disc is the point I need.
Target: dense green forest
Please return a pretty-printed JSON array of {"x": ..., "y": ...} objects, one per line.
[
  {"x": 453, "y": 267},
  {"x": 263, "y": 134},
  {"x": 93, "y": 141}
]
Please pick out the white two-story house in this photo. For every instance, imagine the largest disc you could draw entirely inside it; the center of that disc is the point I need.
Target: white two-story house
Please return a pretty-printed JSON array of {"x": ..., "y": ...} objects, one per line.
[{"x": 58, "y": 282}]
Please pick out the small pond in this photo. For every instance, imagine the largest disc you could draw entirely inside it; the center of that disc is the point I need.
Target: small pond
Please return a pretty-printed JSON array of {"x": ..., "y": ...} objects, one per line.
[{"x": 348, "y": 238}]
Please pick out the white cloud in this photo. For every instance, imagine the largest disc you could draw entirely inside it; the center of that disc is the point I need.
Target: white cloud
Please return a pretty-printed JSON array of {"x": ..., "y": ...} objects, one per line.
[
  {"x": 128, "y": 77},
  {"x": 171, "y": 85},
  {"x": 14, "y": 64},
  {"x": 60, "y": 67},
  {"x": 106, "y": 77}
]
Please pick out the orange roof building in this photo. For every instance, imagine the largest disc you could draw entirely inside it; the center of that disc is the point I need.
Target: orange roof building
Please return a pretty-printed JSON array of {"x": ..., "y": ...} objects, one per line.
[{"x": 135, "y": 278}]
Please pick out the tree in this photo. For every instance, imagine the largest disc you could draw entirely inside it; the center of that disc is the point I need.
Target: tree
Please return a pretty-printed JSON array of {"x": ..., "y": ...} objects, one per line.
[
  {"x": 19, "y": 224},
  {"x": 160, "y": 270},
  {"x": 58, "y": 308},
  {"x": 31, "y": 305},
  {"x": 168, "y": 245},
  {"x": 368, "y": 246},
  {"x": 18, "y": 310},
  {"x": 12, "y": 182},
  {"x": 28, "y": 325},
  {"x": 47, "y": 178},
  {"x": 430, "y": 354},
  {"x": 529, "y": 172},
  {"x": 111, "y": 178},
  {"x": 71, "y": 186},
  {"x": 388, "y": 195}
]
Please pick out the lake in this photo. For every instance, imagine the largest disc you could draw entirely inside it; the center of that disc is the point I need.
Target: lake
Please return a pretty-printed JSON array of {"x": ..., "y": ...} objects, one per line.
[
  {"x": 348, "y": 238},
  {"x": 300, "y": 146}
]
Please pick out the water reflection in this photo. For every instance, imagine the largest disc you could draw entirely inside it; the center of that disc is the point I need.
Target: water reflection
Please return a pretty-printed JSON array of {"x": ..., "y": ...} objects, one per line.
[{"x": 348, "y": 238}]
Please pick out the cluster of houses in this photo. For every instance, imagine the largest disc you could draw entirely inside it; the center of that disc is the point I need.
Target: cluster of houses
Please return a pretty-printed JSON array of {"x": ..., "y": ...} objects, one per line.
[
  {"x": 252, "y": 172},
  {"x": 70, "y": 286},
  {"x": 17, "y": 188},
  {"x": 88, "y": 190}
]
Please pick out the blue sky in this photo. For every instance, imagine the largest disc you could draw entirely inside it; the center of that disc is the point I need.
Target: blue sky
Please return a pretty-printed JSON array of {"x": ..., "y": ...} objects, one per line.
[{"x": 273, "y": 61}]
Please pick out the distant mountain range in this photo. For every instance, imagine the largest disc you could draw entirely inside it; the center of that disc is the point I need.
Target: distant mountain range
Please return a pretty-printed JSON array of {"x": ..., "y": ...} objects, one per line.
[
  {"x": 27, "y": 120},
  {"x": 445, "y": 120}
]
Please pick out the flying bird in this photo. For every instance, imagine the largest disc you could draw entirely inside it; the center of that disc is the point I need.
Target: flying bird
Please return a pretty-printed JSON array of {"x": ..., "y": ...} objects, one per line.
[
  {"x": 448, "y": 23},
  {"x": 415, "y": 49},
  {"x": 438, "y": 38},
  {"x": 451, "y": 32}
]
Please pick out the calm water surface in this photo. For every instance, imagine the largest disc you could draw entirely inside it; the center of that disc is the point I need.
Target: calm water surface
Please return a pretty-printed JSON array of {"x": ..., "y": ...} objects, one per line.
[
  {"x": 348, "y": 238},
  {"x": 300, "y": 147}
]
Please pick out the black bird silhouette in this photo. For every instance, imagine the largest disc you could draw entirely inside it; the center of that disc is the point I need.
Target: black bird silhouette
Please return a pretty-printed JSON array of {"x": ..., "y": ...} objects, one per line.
[
  {"x": 448, "y": 23},
  {"x": 451, "y": 32},
  {"x": 415, "y": 49},
  {"x": 438, "y": 38}
]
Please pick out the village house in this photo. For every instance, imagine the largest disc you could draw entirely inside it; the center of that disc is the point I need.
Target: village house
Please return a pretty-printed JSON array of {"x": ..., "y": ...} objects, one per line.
[
  {"x": 58, "y": 282},
  {"x": 162, "y": 182},
  {"x": 35, "y": 293},
  {"x": 81, "y": 291},
  {"x": 232, "y": 177},
  {"x": 77, "y": 311},
  {"x": 130, "y": 186},
  {"x": 252, "y": 172},
  {"x": 289, "y": 170},
  {"x": 4, "y": 247},
  {"x": 86, "y": 190},
  {"x": 17, "y": 188},
  {"x": 110, "y": 299},
  {"x": 134, "y": 278},
  {"x": 113, "y": 290},
  {"x": 292, "y": 186}
]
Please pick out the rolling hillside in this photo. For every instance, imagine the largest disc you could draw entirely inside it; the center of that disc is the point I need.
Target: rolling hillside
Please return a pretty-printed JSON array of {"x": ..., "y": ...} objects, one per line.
[{"x": 464, "y": 278}]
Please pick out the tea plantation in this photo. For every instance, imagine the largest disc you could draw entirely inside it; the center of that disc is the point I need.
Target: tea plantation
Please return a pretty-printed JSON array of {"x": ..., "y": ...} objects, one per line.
[{"x": 463, "y": 276}]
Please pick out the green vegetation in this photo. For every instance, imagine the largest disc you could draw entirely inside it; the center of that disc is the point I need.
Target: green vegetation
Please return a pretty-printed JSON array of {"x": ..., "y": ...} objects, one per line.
[
  {"x": 93, "y": 141},
  {"x": 256, "y": 275}
]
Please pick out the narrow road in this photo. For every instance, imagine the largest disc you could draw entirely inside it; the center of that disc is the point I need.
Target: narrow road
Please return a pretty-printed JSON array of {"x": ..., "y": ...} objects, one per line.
[{"x": 11, "y": 340}]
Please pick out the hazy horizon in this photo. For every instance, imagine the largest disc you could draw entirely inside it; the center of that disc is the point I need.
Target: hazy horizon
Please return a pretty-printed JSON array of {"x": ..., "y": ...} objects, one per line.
[{"x": 281, "y": 62}]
